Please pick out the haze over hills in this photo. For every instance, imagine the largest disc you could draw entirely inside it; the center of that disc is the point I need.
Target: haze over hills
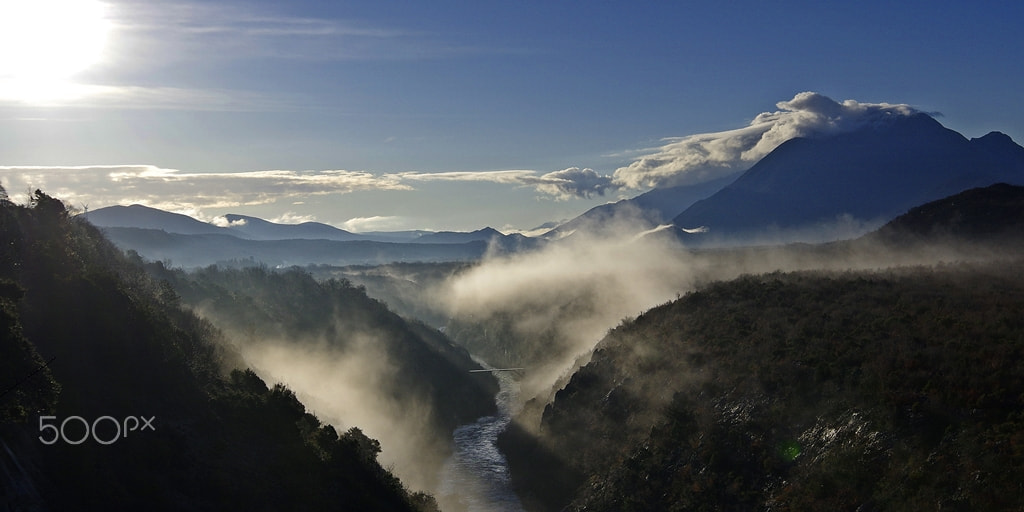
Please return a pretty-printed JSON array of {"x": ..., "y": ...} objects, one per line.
[
  {"x": 166, "y": 236},
  {"x": 455, "y": 237},
  {"x": 254, "y": 228}
]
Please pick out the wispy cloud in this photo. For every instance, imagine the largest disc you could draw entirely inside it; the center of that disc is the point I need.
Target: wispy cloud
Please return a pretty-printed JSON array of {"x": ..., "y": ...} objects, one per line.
[
  {"x": 153, "y": 48},
  {"x": 507, "y": 177},
  {"x": 703, "y": 157},
  {"x": 569, "y": 183},
  {"x": 190, "y": 192},
  {"x": 205, "y": 31},
  {"x": 292, "y": 218},
  {"x": 374, "y": 223},
  {"x": 69, "y": 94}
]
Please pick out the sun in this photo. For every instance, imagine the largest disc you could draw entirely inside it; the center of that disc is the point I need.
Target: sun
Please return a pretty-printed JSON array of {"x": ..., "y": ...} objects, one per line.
[{"x": 45, "y": 43}]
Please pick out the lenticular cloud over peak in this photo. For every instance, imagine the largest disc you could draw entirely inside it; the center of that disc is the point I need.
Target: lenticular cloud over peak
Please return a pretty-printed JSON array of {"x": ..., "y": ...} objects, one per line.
[{"x": 703, "y": 157}]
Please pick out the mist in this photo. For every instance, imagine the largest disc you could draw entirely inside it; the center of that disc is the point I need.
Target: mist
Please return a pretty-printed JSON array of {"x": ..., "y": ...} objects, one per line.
[
  {"x": 352, "y": 387},
  {"x": 547, "y": 310},
  {"x": 357, "y": 367}
]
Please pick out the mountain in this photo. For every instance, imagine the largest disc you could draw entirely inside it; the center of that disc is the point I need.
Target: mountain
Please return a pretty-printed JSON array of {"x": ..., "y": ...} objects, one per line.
[
  {"x": 455, "y": 237},
  {"x": 985, "y": 214},
  {"x": 241, "y": 226},
  {"x": 259, "y": 229},
  {"x": 138, "y": 216},
  {"x": 806, "y": 186},
  {"x": 651, "y": 208}
]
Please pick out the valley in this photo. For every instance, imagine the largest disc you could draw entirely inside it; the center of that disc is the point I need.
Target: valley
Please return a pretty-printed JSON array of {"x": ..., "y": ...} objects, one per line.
[{"x": 770, "y": 360}]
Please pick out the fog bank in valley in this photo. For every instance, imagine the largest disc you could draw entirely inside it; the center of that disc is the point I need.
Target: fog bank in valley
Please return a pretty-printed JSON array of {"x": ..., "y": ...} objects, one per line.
[
  {"x": 353, "y": 387},
  {"x": 546, "y": 310},
  {"x": 542, "y": 310}
]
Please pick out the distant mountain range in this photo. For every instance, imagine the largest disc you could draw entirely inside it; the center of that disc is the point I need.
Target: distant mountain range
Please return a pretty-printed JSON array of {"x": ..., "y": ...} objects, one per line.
[
  {"x": 184, "y": 241},
  {"x": 807, "y": 189},
  {"x": 254, "y": 228}
]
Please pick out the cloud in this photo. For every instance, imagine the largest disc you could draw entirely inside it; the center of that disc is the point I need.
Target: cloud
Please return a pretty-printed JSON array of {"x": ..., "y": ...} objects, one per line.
[
  {"x": 186, "y": 192},
  {"x": 292, "y": 218},
  {"x": 509, "y": 177},
  {"x": 703, "y": 157},
  {"x": 374, "y": 223},
  {"x": 191, "y": 193},
  {"x": 223, "y": 222},
  {"x": 569, "y": 183},
  {"x": 554, "y": 304},
  {"x": 197, "y": 31}
]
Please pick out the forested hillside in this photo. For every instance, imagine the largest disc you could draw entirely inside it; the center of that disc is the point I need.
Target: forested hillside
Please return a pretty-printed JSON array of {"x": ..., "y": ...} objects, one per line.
[
  {"x": 114, "y": 396},
  {"x": 887, "y": 390},
  {"x": 402, "y": 380}
]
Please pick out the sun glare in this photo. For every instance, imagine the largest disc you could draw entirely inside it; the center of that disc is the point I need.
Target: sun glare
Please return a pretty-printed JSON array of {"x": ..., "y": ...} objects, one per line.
[{"x": 45, "y": 43}]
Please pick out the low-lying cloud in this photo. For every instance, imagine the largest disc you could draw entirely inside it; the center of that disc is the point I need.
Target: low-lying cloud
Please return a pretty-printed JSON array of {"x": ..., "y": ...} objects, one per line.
[
  {"x": 565, "y": 184},
  {"x": 374, "y": 223},
  {"x": 706, "y": 156},
  {"x": 544, "y": 309}
]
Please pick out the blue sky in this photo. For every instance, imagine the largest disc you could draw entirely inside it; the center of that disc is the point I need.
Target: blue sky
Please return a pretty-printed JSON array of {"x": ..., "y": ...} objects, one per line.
[{"x": 456, "y": 115}]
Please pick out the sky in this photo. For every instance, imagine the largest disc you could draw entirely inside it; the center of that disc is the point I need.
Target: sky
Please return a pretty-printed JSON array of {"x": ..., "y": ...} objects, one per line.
[{"x": 443, "y": 115}]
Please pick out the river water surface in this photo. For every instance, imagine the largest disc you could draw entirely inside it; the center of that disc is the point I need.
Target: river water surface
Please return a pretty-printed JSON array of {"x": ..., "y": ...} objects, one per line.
[{"x": 476, "y": 475}]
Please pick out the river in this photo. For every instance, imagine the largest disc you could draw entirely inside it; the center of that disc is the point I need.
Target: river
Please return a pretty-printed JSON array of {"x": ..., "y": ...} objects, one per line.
[{"x": 476, "y": 476}]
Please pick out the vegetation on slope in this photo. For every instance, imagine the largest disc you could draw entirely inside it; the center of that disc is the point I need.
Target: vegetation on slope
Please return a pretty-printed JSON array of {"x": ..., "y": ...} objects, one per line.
[
  {"x": 86, "y": 334},
  {"x": 894, "y": 390},
  {"x": 254, "y": 304}
]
